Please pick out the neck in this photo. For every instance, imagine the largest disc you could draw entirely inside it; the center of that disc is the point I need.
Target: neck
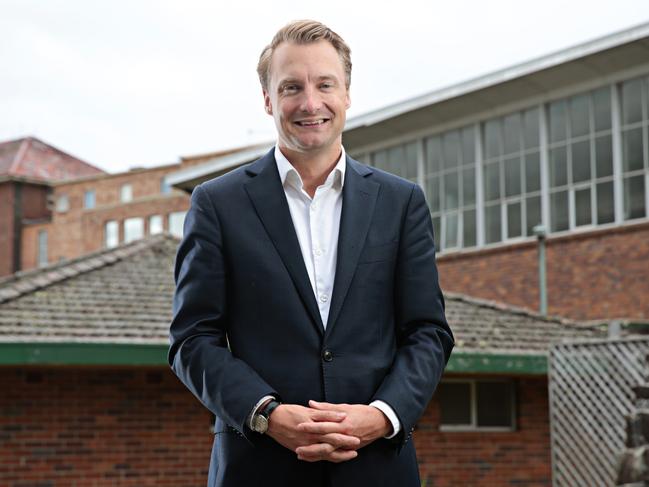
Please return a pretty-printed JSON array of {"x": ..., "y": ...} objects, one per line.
[{"x": 313, "y": 168}]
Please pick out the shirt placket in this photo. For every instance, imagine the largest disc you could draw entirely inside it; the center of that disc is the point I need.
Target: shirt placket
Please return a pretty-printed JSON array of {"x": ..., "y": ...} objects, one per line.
[{"x": 318, "y": 229}]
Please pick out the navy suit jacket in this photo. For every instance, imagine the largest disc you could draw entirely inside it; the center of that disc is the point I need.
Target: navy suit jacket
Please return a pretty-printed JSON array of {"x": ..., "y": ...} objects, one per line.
[{"x": 246, "y": 322}]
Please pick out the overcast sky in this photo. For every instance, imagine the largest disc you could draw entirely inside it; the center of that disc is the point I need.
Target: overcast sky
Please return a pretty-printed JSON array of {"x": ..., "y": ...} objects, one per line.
[{"x": 141, "y": 83}]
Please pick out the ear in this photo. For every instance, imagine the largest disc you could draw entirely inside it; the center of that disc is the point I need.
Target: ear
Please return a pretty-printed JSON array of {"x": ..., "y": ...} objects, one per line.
[
  {"x": 267, "y": 103},
  {"x": 348, "y": 100}
]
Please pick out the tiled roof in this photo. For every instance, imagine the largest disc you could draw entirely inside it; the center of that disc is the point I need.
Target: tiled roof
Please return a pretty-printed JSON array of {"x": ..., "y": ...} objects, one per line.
[
  {"x": 34, "y": 159},
  {"x": 123, "y": 295}
]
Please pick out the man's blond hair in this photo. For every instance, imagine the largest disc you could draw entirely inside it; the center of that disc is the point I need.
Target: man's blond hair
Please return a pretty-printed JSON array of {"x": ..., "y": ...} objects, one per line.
[{"x": 304, "y": 32}]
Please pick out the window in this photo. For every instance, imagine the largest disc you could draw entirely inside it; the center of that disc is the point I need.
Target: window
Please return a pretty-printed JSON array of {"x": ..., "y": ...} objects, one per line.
[
  {"x": 512, "y": 176},
  {"x": 89, "y": 199},
  {"x": 42, "y": 248},
  {"x": 62, "y": 203},
  {"x": 126, "y": 193},
  {"x": 449, "y": 180},
  {"x": 111, "y": 234},
  {"x": 133, "y": 229},
  {"x": 635, "y": 163},
  {"x": 581, "y": 161},
  {"x": 176, "y": 221},
  {"x": 476, "y": 404},
  {"x": 400, "y": 160},
  {"x": 164, "y": 186},
  {"x": 155, "y": 224}
]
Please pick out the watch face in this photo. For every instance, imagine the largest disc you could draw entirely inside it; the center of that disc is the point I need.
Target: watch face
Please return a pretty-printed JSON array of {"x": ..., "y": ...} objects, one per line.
[{"x": 260, "y": 424}]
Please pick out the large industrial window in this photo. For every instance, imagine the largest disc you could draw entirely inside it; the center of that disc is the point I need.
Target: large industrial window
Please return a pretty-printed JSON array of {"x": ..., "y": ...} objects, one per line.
[
  {"x": 400, "y": 160},
  {"x": 449, "y": 181},
  {"x": 512, "y": 176},
  {"x": 466, "y": 404},
  {"x": 635, "y": 164},
  {"x": 580, "y": 161}
]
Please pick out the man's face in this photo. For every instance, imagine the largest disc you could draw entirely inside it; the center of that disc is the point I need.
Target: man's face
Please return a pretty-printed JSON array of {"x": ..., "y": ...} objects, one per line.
[{"x": 307, "y": 96}]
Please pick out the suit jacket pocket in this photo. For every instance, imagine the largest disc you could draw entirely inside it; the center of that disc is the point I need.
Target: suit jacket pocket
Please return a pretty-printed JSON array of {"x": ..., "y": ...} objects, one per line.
[{"x": 378, "y": 253}]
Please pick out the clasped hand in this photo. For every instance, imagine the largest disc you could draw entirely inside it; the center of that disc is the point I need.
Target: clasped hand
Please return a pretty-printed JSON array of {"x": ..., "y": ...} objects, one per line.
[{"x": 325, "y": 431}]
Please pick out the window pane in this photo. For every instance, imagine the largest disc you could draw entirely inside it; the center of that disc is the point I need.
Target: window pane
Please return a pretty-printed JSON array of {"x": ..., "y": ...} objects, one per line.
[
  {"x": 133, "y": 229},
  {"x": 42, "y": 248},
  {"x": 632, "y": 149},
  {"x": 559, "y": 211},
  {"x": 492, "y": 138},
  {"x": 433, "y": 155},
  {"x": 557, "y": 121},
  {"x": 176, "y": 221},
  {"x": 492, "y": 181},
  {"x": 451, "y": 226},
  {"x": 395, "y": 161},
  {"x": 411, "y": 162},
  {"x": 89, "y": 199},
  {"x": 62, "y": 203},
  {"x": 454, "y": 403},
  {"x": 111, "y": 234},
  {"x": 579, "y": 115},
  {"x": 380, "y": 159},
  {"x": 632, "y": 101},
  {"x": 581, "y": 161},
  {"x": 468, "y": 145},
  {"x": 492, "y": 223},
  {"x": 469, "y": 228},
  {"x": 605, "y": 210},
  {"x": 512, "y": 133},
  {"x": 512, "y": 177},
  {"x": 583, "y": 214},
  {"x": 468, "y": 186},
  {"x": 165, "y": 188},
  {"x": 126, "y": 193},
  {"x": 604, "y": 156},
  {"x": 531, "y": 120},
  {"x": 532, "y": 214},
  {"x": 433, "y": 193},
  {"x": 495, "y": 400},
  {"x": 451, "y": 149},
  {"x": 155, "y": 224},
  {"x": 558, "y": 167},
  {"x": 451, "y": 191},
  {"x": 602, "y": 102},
  {"x": 634, "y": 197},
  {"x": 532, "y": 172},
  {"x": 513, "y": 220}
]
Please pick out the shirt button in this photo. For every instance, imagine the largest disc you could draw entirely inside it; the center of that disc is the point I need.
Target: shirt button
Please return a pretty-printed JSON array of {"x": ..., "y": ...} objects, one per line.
[
  {"x": 327, "y": 356},
  {"x": 318, "y": 252},
  {"x": 314, "y": 207},
  {"x": 324, "y": 298}
]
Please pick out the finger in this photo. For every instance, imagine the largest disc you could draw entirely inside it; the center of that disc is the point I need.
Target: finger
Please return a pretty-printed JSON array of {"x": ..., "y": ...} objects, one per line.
[
  {"x": 322, "y": 427},
  {"x": 338, "y": 456},
  {"x": 326, "y": 406},
  {"x": 331, "y": 416},
  {"x": 346, "y": 442},
  {"x": 315, "y": 452}
]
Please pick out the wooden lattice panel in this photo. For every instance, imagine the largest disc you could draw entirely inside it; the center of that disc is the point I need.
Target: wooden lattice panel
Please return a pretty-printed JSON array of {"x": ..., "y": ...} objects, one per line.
[{"x": 590, "y": 397}]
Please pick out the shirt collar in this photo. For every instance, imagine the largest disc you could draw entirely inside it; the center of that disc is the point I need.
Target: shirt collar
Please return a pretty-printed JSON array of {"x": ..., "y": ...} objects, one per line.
[{"x": 289, "y": 175}]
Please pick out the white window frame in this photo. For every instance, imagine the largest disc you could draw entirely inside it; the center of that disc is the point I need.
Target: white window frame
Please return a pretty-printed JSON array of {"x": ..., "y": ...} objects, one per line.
[
  {"x": 108, "y": 244},
  {"x": 473, "y": 426},
  {"x": 136, "y": 219},
  {"x": 126, "y": 193},
  {"x": 62, "y": 203},
  {"x": 42, "y": 248}
]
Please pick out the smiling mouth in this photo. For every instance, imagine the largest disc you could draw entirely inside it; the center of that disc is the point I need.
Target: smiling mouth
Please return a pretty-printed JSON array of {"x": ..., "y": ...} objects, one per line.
[{"x": 311, "y": 123}]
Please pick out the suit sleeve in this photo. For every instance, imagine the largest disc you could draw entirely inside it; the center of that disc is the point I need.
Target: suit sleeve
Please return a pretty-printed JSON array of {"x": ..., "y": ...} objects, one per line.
[
  {"x": 424, "y": 339},
  {"x": 199, "y": 353}
]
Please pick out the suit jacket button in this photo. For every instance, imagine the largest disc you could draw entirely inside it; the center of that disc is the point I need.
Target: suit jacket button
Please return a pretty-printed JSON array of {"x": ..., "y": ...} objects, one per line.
[{"x": 327, "y": 356}]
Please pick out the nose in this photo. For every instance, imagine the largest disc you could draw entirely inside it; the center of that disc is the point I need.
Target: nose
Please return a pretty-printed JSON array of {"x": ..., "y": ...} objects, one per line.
[{"x": 311, "y": 101}]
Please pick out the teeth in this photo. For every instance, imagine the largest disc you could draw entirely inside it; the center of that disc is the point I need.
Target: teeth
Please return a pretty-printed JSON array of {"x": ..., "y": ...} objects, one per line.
[{"x": 311, "y": 122}]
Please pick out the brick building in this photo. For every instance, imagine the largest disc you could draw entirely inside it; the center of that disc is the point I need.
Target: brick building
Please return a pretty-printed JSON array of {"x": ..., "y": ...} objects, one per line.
[
  {"x": 90, "y": 400},
  {"x": 28, "y": 168},
  {"x": 561, "y": 141}
]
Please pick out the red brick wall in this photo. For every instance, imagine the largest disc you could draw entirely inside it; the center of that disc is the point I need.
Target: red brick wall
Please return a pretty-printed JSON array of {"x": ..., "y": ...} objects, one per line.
[
  {"x": 138, "y": 427},
  {"x": 489, "y": 459},
  {"x": 80, "y": 231},
  {"x": 100, "y": 427},
  {"x": 594, "y": 275}
]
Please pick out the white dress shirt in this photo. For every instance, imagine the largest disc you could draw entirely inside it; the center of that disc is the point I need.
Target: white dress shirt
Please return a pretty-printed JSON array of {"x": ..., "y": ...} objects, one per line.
[{"x": 317, "y": 224}]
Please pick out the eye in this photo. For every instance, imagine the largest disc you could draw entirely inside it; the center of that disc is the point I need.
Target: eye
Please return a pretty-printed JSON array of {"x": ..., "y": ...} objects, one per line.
[
  {"x": 290, "y": 88},
  {"x": 327, "y": 85}
]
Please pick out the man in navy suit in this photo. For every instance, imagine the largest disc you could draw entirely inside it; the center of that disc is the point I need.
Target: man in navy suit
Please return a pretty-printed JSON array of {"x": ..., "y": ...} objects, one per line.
[{"x": 308, "y": 316}]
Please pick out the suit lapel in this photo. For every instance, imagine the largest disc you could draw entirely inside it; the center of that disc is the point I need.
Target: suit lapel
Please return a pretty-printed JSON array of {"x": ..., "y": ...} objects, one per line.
[
  {"x": 359, "y": 199},
  {"x": 267, "y": 195}
]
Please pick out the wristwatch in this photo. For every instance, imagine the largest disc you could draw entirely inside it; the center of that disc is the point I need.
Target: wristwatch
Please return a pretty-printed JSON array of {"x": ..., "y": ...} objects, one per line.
[{"x": 260, "y": 419}]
